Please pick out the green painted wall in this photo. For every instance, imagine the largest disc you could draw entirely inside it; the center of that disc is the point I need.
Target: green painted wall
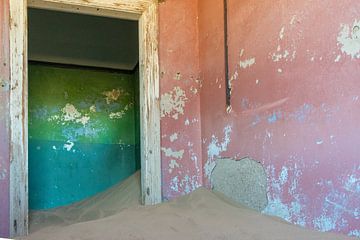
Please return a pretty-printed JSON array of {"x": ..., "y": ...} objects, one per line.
[{"x": 82, "y": 133}]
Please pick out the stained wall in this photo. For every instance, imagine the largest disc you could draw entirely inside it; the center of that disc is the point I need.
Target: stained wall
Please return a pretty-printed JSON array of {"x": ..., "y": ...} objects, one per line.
[{"x": 295, "y": 103}]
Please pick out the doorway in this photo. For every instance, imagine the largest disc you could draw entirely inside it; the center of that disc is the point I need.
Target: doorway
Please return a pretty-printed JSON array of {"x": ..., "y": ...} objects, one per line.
[
  {"x": 84, "y": 128},
  {"x": 142, "y": 11}
]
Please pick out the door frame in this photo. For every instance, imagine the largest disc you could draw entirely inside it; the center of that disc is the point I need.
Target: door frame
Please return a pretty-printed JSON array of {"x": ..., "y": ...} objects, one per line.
[{"x": 146, "y": 13}]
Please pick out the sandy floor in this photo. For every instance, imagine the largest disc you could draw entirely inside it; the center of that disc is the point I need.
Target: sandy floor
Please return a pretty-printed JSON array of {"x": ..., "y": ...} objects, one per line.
[{"x": 117, "y": 214}]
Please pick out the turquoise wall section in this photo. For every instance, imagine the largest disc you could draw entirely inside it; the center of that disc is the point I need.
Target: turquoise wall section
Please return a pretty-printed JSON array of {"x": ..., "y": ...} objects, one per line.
[{"x": 82, "y": 133}]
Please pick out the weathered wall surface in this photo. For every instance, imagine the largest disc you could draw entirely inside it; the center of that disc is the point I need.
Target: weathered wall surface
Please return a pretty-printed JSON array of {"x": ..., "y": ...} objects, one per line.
[
  {"x": 180, "y": 100},
  {"x": 4, "y": 121},
  {"x": 81, "y": 133},
  {"x": 294, "y": 69}
]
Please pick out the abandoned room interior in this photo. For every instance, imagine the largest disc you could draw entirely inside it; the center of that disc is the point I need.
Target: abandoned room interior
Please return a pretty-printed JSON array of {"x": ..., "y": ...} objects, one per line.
[{"x": 179, "y": 119}]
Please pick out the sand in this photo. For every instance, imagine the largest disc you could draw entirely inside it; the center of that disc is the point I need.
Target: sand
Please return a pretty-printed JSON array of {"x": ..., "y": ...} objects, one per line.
[{"x": 117, "y": 214}]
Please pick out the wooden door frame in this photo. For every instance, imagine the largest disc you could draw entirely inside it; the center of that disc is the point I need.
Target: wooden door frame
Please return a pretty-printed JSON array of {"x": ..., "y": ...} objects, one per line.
[{"x": 146, "y": 13}]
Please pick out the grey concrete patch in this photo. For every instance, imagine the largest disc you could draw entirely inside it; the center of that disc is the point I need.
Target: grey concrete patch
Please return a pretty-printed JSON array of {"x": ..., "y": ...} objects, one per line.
[{"x": 243, "y": 181}]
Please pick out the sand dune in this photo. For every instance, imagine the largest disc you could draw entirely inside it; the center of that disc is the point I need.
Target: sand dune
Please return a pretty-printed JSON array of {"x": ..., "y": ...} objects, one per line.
[{"x": 117, "y": 214}]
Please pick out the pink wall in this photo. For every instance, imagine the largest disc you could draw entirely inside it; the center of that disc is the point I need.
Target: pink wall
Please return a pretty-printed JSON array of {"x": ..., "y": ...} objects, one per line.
[
  {"x": 295, "y": 103},
  {"x": 180, "y": 103}
]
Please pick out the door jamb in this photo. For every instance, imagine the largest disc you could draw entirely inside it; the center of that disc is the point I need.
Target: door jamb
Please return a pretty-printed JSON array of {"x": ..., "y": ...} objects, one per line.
[{"x": 146, "y": 12}]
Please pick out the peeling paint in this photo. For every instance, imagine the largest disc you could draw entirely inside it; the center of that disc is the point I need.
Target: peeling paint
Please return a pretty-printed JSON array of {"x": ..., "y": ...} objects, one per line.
[
  {"x": 173, "y": 137},
  {"x": 93, "y": 109},
  {"x": 171, "y": 153},
  {"x": 173, "y": 103},
  {"x": 247, "y": 63},
  {"x": 70, "y": 113},
  {"x": 69, "y": 145},
  {"x": 215, "y": 148},
  {"x": 349, "y": 39},
  {"x": 173, "y": 164},
  {"x": 282, "y": 33},
  {"x": 113, "y": 95}
]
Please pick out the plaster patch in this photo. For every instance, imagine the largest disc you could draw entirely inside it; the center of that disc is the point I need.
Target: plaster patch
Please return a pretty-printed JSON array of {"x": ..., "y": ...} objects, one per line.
[
  {"x": 354, "y": 233},
  {"x": 173, "y": 164},
  {"x": 282, "y": 33},
  {"x": 244, "y": 181},
  {"x": 325, "y": 223},
  {"x": 70, "y": 113},
  {"x": 349, "y": 39},
  {"x": 69, "y": 145},
  {"x": 173, "y": 137},
  {"x": 113, "y": 95},
  {"x": 120, "y": 114},
  {"x": 171, "y": 153},
  {"x": 173, "y": 103},
  {"x": 247, "y": 63},
  {"x": 116, "y": 115},
  {"x": 93, "y": 109},
  {"x": 338, "y": 58},
  {"x": 83, "y": 120}
]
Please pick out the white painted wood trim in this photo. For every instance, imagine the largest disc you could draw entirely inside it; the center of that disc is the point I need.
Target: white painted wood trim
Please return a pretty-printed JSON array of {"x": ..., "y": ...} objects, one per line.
[
  {"x": 18, "y": 120},
  {"x": 146, "y": 11},
  {"x": 124, "y": 9},
  {"x": 150, "y": 107}
]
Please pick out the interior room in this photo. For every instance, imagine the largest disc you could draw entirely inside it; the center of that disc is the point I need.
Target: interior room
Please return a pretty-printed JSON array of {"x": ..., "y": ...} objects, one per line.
[{"x": 179, "y": 119}]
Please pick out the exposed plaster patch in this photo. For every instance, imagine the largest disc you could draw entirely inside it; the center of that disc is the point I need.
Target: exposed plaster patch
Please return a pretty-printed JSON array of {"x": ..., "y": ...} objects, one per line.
[
  {"x": 70, "y": 113},
  {"x": 194, "y": 90},
  {"x": 175, "y": 154},
  {"x": 292, "y": 21},
  {"x": 173, "y": 164},
  {"x": 173, "y": 103},
  {"x": 354, "y": 233},
  {"x": 93, "y": 109},
  {"x": 120, "y": 114},
  {"x": 173, "y": 137},
  {"x": 349, "y": 39},
  {"x": 282, "y": 33},
  {"x": 69, "y": 145},
  {"x": 187, "y": 122},
  {"x": 116, "y": 115},
  {"x": 113, "y": 95},
  {"x": 83, "y": 120},
  {"x": 247, "y": 63}
]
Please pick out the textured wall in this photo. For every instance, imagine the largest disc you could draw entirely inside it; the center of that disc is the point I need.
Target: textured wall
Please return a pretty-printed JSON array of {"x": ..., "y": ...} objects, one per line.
[
  {"x": 295, "y": 103},
  {"x": 81, "y": 133},
  {"x": 180, "y": 100}
]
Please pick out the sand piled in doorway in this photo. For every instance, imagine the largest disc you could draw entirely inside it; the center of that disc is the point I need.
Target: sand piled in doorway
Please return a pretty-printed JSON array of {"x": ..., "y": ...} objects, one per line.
[{"x": 117, "y": 214}]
